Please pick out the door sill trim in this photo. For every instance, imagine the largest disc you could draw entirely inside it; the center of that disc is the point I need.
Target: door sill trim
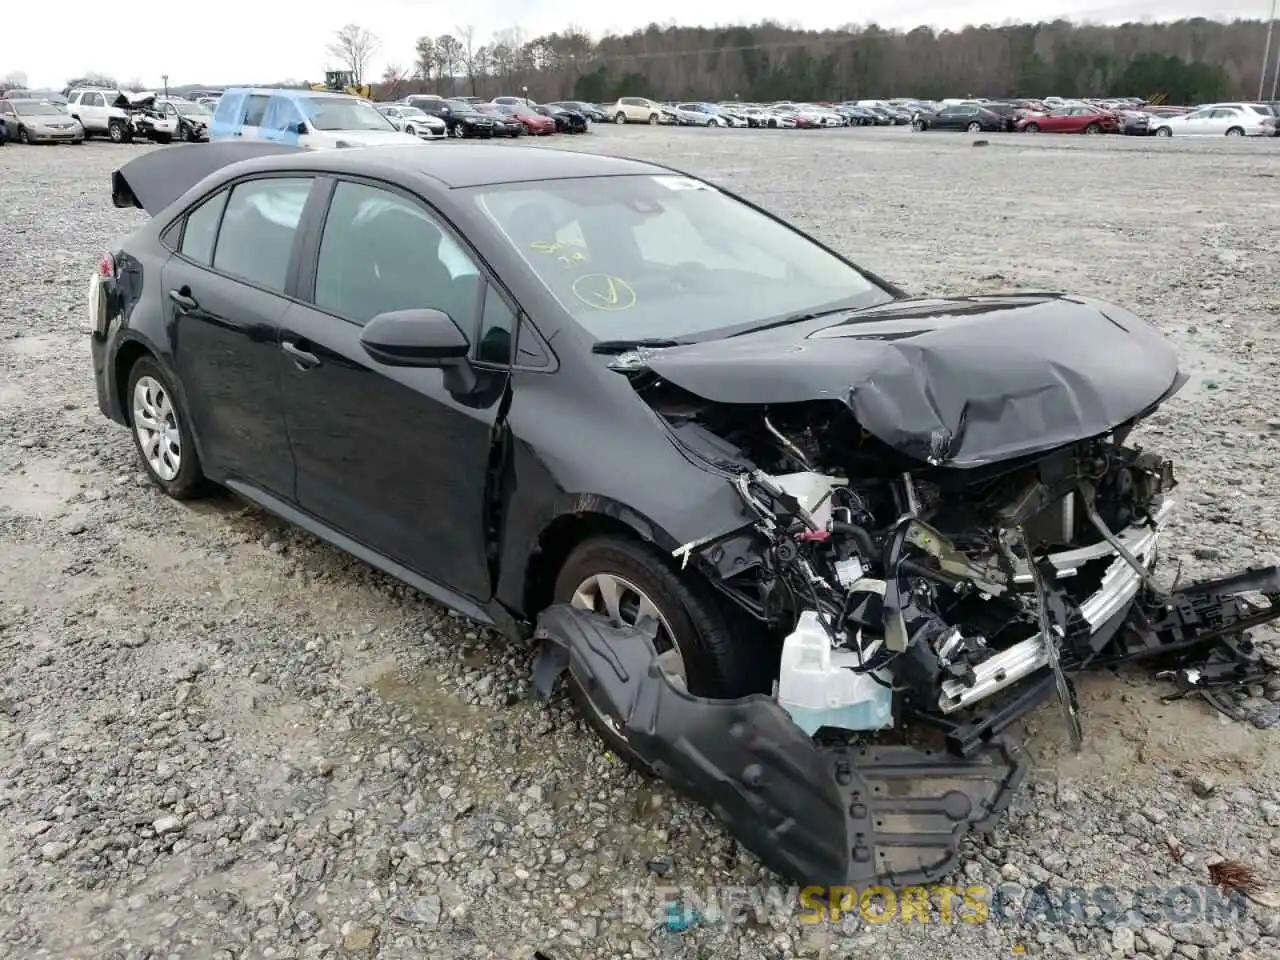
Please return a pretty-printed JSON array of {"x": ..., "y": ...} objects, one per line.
[{"x": 319, "y": 528}]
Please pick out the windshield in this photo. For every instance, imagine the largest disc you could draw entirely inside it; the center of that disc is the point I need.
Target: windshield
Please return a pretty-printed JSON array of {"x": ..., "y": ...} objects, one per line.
[
  {"x": 633, "y": 257},
  {"x": 39, "y": 109},
  {"x": 194, "y": 109},
  {"x": 460, "y": 106},
  {"x": 520, "y": 110},
  {"x": 411, "y": 112},
  {"x": 341, "y": 113}
]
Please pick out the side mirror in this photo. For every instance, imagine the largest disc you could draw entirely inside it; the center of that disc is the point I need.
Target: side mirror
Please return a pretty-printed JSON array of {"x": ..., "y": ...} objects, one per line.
[
  {"x": 446, "y": 111},
  {"x": 300, "y": 128},
  {"x": 415, "y": 338}
]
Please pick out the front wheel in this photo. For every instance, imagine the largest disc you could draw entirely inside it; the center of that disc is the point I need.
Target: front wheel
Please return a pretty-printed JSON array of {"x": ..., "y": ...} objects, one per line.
[
  {"x": 117, "y": 132},
  {"x": 620, "y": 117},
  {"x": 653, "y": 119},
  {"x": 23, "y": 136},
  {"x": 1031, "y": 128},
  {"x": 917, "y": 126},
  {"x": 1164, "y": 132},
  {"x": 630, "y": 582},
  {"x": 1092, "y": 130},
  {"x": 162, "y": 434},
  {"x": 410, "y": 131},
  {"x": 1235, "y": 132}
]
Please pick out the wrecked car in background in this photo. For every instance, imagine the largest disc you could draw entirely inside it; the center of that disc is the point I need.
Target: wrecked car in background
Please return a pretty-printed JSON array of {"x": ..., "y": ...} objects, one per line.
[{"x": 801, "y": 544}]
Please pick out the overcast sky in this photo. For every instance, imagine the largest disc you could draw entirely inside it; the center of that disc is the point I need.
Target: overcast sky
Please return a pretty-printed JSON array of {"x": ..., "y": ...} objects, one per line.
[{"x": 260, "y": 41}]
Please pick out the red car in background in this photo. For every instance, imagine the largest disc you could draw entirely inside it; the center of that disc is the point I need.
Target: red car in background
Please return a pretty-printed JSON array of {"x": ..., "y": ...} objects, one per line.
[
  {"x": 533, "y": 121},
  {"x": 1078, "y": 118}
]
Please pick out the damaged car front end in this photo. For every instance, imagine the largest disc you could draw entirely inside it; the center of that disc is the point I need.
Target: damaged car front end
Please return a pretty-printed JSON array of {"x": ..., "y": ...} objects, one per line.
[{"x": 948, "y": 519}]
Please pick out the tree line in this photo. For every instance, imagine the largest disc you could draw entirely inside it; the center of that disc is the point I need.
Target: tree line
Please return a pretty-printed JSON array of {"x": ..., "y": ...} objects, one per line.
[{"x": 1187, "y": 61}]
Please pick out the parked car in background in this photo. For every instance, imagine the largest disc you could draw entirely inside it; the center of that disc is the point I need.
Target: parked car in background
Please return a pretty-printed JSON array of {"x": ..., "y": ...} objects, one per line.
[
  {"x": 309, "y": 119},
  {"x": 969, "y": 117},
  {"x": 566, "y": 121},
  {"x": 414, "y": 120},
  {"x": 592, "y": 111},
  {"x": 1073, "y": 118},
  {"x": 194, "y": 118},
  {"x": 102, "y": 111},
  {"x": 509, "y": 125},
  {"x": 1220, "y": 119},
  {"x": 466, "y": 120},
  {"x": 534, "y": 122},
  {"x": 39, "y": 121},
  {"x": 640, "y": 110}
]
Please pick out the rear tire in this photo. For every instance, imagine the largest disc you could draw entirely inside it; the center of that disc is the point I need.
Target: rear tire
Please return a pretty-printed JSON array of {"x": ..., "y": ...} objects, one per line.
[
  {"x": 1092, "y": 129},
  {"x": 1163, "y": 132},
  {"x": 974, "y": 127},
  {"x": 721, "y": 657},
  {"x": 1235, "y": 132},
  {"x": 162, "y": 432},
  {"x": 1031, "y": 128}
]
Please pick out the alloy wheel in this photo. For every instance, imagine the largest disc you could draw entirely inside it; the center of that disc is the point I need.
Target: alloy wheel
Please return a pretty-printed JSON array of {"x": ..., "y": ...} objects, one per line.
[
  {"x": 156, "y": 423},
  {"x": 626, "y": 604}
]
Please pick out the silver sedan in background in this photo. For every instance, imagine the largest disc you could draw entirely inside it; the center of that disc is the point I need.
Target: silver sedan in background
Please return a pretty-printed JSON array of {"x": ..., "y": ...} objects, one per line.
[{"x": 40, "y": 121}]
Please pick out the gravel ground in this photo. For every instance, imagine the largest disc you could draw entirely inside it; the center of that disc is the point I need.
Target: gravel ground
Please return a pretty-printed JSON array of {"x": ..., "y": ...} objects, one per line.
[{"x": 221, "y": 738}]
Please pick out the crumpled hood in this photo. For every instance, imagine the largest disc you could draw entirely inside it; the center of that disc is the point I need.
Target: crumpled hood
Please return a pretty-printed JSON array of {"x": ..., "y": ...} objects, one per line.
[{"x": 960, "y": 382}]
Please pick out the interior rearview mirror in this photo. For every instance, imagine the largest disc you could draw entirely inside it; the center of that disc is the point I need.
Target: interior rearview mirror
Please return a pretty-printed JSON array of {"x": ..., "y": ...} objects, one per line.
[{"x": 415, "y": 338}]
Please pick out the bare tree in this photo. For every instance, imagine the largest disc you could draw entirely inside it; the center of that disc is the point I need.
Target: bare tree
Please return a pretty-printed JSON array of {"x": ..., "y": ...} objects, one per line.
[
  {"x": 449, "y": 56},
  {"x": 133, "y": 85},
  {"x": 426, "y": 59},
  {"x": 467, "y": 53},
  {"x": 13, "y": 80},
  {"x": 354, "y": 46},
  {"x": 393, "y": 80}
]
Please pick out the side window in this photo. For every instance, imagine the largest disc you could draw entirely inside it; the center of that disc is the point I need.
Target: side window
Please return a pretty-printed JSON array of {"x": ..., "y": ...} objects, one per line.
[
  {"x": 258, "y": 228},
  {"x": 497, "y": 329},
  {"x": 257, "y": 107},
  {"x": 93, "y": 100},
  {"x": 381, "y": 252},
  {"x": 201, "y": 229}
]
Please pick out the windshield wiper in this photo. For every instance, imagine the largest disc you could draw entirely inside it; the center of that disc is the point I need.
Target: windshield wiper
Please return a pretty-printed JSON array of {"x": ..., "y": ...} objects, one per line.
[
  {"x": 790, "y": 319},
  {"x": 622, "y": 346}
]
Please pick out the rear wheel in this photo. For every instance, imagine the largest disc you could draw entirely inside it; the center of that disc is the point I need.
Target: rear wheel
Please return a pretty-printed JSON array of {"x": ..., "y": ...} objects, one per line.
[
  {"x": 1164, "y": 132},
  {"x": 1092, "y": 129},
  {"x": 975, "y": 127},
  {"x": 628, "y": 583},
  {"x": 653, "y": 119},
  {"x": 162, "y": 433},
  {"x": 1235, "y": 132}
]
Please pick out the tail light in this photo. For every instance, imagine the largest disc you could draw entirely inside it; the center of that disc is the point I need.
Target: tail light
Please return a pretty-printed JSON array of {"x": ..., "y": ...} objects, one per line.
[{"x": 107, "y": 267}]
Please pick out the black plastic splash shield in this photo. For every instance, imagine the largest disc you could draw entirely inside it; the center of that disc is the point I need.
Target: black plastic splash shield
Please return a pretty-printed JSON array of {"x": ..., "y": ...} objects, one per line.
[{"x": 824, "y": 816}]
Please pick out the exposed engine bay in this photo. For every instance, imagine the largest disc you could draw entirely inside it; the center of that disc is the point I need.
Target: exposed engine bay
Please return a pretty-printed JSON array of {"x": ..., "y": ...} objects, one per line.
[{"x": 908, "y": 592}]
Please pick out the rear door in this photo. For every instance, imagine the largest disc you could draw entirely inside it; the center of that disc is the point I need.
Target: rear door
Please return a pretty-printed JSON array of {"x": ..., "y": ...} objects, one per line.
[
  {"x": 229, "y": 115},
  {"x": 224, "y": 290},
  {"x": 395, "y": 457},
  {"x": 254, "y": 112}
]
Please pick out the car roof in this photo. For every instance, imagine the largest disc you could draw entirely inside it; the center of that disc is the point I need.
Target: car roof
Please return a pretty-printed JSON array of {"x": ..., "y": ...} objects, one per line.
[
  {"x": 461, "y": 165},
  {"x": 291, "y": 93}
]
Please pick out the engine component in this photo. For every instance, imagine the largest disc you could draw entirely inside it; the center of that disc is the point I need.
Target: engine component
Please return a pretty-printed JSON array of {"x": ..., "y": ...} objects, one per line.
[{"x": 820, "y": 685}]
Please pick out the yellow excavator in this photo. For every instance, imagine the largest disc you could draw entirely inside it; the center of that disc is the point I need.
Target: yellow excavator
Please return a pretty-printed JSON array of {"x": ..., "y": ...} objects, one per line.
[{"x": 343, "y": 81}]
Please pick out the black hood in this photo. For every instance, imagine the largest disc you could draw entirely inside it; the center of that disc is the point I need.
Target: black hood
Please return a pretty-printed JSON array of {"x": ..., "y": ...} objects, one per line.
[{"x": 960, "y": 382}]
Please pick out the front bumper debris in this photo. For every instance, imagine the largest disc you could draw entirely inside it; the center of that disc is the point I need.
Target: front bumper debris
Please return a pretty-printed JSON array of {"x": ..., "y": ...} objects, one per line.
[{"x": 829, "y": 816}]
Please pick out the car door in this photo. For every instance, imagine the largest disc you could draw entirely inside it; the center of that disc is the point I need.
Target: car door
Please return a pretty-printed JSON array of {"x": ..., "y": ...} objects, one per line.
[
  {"x": 279, "y": 122},
  {"x": 396, "y": 458},
  {"x": 93, "y": 112},
  {"x": 1221, "y": 119},
  {"x": 949, "y": 118},
  {"x": 254, "y": 112},
  {"x": 224, "y": 289}
]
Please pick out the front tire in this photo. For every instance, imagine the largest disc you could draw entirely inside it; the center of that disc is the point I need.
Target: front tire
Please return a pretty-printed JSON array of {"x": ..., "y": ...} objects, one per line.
[
  {"x": 653, "y": 119},
  {"x": 23, "y": 136},
  {"x": 1235, "y": 132},
  {"x": 620, "y": 117},
  {"x": 1164, "y": 132},
  {"x": 117, "y": 133},
  {"x": 162, "y": 433},
  {"x": 1092, "y": 130},
  {"x": 627, "y": 581}
]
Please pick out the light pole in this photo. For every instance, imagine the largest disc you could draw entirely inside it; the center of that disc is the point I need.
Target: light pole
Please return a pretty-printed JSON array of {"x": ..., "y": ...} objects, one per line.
[
  {"x": 164, "y": 78},
  {"x": 525, "y": 90},
  {"x": 1266, "y": 52}
]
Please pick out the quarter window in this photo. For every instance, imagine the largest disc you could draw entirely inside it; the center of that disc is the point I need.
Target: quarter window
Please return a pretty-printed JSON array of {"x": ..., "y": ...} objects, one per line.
[
  {"x": 258, "y": 229},
  {"x": 382, "y": 252},
  {"x": 201, "y": 230}
]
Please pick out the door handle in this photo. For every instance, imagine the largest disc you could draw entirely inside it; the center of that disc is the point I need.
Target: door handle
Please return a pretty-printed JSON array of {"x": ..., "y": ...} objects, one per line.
[
  {"x": 186, "y": 303},
  {"x": 303, "y": 358}
]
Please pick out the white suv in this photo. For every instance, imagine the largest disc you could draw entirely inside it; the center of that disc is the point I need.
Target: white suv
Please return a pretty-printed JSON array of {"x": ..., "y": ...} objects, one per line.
[{"x": 101, "y": 112}]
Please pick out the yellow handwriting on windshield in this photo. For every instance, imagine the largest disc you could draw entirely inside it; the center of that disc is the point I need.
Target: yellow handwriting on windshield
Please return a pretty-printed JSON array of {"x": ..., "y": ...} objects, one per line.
[
  {"x": 568, "y": 252},
  {"x": 604, "y": 292}
]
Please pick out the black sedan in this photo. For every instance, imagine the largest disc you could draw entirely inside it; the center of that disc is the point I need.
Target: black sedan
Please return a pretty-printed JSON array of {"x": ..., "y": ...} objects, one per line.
[
  {"x": 567, "y": 121},
  {"x": 462, "y": 119},
  {"x": 593, "y": 112},
  {"x": 510, "y": 126},
  {"x": 962, "y": 116},
  {"x": 690, "y": 449}
]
